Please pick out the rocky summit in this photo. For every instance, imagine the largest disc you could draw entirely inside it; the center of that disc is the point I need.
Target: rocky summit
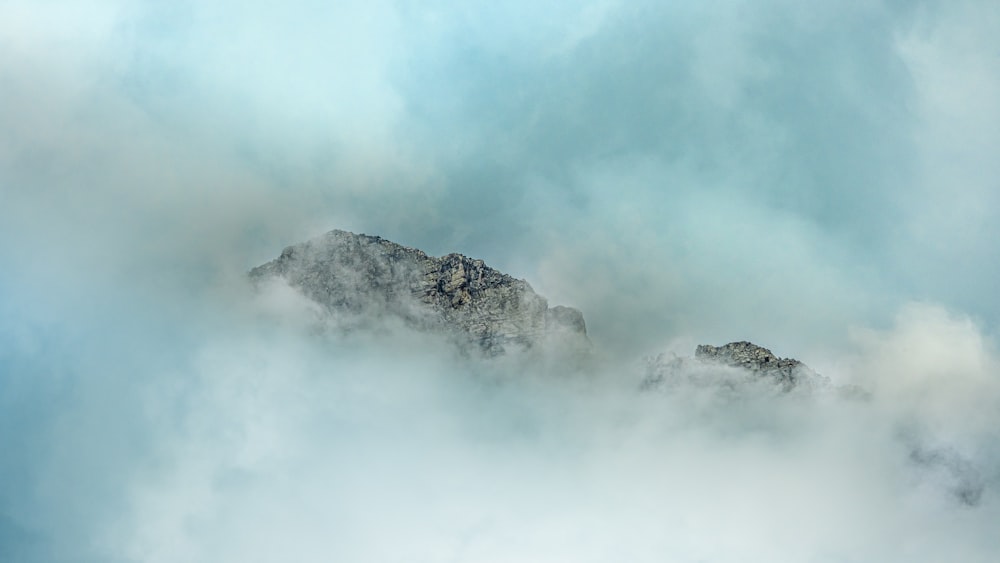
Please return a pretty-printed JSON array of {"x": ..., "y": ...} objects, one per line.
[
  {"x": 731, "y": 365},
  {"x": 359, "y": 278},
  {"x": 755, "y": 358},
  {"x": 362, "y": 280}
]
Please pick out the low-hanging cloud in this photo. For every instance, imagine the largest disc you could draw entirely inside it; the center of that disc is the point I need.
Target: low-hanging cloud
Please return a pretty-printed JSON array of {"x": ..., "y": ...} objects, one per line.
[{"x": 266, "y": 437}]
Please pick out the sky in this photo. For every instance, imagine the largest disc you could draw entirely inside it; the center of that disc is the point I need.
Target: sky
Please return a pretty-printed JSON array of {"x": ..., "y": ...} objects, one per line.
[{"x": 820, "y": 179}]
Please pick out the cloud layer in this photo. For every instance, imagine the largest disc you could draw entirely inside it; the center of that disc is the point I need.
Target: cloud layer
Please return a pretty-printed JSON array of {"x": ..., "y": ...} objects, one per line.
[{"x": 820, "y": 180}]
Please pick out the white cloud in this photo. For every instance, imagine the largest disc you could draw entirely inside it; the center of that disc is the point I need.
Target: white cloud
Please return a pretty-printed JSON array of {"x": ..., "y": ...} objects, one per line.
[{"x": 679, "y": 173}]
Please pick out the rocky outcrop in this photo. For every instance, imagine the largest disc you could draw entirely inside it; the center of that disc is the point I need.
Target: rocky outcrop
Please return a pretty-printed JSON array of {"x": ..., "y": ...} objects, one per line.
[
  {"x": 760, "y": 361},
  {"x": 752, "y": 363},
  {"x": 361, "y": 281},
  {"x": 364, "y": 278}
]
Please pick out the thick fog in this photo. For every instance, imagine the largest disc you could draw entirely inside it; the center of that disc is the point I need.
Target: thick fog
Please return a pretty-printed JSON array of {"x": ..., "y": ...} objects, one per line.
[{"x": 819, "y": 179}]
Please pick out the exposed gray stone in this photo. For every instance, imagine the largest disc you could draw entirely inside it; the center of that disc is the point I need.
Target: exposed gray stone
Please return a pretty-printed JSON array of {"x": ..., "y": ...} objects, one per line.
[
  {"x": 361, "y": 280},
  {"x": 757, "y": 359},
  {"x": 755, "y": 362},
  {"x": 366, "y": 278}
]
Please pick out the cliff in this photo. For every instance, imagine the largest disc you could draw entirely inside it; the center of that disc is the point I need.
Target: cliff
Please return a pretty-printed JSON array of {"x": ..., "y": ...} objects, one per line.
[
  {"x": 363, "y": 277},
  {"x": 360, "y": 280}
]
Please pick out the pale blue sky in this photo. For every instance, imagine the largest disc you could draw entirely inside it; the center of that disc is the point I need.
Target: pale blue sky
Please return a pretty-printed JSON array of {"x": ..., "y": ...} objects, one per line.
[
  {"x": 723, "y": 153},
  {"x": 777, "y": 171}
]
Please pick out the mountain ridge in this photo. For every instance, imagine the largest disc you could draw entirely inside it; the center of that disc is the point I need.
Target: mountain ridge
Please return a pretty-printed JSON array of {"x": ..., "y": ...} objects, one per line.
[{"x": 358, "y": 277}]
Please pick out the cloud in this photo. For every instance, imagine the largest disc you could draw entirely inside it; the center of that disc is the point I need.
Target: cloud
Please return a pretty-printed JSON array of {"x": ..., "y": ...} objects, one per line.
[
  {"x": 683, "y": 174},
  {"x": 243, "y": 433}
]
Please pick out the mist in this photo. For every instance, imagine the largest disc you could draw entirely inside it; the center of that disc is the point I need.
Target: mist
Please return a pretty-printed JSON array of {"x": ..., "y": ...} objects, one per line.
[{"x": 821, "y": 181}]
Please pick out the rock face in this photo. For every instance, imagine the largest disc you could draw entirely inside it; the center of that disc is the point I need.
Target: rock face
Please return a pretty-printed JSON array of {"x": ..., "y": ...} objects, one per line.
[
  {"x": 755, "y": 358},
  {"x": 361, "y": 281},
  {"x": 757, "y": 362},
  {"x": 363, "y": 277}
]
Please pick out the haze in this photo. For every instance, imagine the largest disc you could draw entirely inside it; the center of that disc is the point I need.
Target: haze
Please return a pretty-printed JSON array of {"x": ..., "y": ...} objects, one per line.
[{"x": 820, "y": 179}]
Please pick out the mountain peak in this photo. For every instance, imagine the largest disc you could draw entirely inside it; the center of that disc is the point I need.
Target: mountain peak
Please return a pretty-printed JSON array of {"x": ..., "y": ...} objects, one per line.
[{"x": 361, "y": 277}]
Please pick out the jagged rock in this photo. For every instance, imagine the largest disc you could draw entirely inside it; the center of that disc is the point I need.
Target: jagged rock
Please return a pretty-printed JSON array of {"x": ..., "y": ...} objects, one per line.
[
  {"x": 756, "y": 359},
  {"x": 758, "y": 362},
  {"x": 365, "y": 278},
  {"x": 361, "y": 280}
]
